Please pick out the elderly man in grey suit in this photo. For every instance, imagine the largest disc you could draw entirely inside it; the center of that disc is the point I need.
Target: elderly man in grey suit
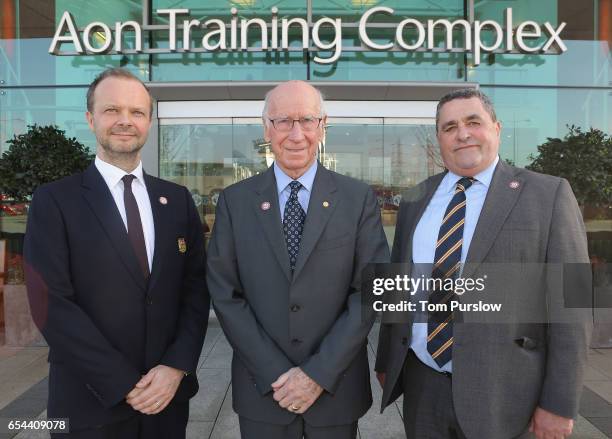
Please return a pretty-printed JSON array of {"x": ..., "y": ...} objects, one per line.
[
  {"x": 285, "y": 260},
  {"x": 462, "y": 379}
]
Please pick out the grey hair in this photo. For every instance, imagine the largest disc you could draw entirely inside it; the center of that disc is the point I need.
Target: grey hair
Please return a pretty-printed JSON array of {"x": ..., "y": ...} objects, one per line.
[
  {"x": 264, "y": 113},
  {"x": 466, "y": 93}
]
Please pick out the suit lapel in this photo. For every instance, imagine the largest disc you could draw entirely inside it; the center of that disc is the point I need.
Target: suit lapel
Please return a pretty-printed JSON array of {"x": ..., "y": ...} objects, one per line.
[
  {"x": 266, "y": 192},
  {"x": 161, "y": 218},
  {"x": 323, "y": 190},
  {"x": 418, "y": 199},
  {"x": 101, "y": 202},
  {"x": 500, "y": 200}
]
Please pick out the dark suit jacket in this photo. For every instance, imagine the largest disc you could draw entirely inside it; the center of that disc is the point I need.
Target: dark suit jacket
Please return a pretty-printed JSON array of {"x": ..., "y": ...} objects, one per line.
[
  {"x": 501, "y": 372},
  {"x": 105, "y": 325},
  {"x": 313, "y": 319}
]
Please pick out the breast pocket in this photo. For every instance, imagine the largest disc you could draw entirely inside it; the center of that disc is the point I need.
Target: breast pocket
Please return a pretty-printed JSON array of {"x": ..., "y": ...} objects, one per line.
[{"x": 336, "y": 242}]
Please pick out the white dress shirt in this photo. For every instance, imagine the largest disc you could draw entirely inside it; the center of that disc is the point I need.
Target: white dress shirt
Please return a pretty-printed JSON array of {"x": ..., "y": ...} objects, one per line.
[
  {"x": 425, "y": 238},
  {"x": 113, "y": 177}
]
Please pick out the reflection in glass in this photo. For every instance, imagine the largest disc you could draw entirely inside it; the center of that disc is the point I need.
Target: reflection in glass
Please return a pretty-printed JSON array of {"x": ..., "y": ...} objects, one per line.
[
  {"x": 207, "y": 155},
  {"x": 389, "y": 154},
  {"x": 64, "y": 107},
  {"x": 26, "y": 33},
  {"x": 206, "y": 158}
]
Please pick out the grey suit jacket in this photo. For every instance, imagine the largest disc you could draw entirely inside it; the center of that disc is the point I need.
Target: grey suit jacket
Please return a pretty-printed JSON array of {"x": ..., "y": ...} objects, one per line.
[
  {"x": 501, "y": 372},
  {"x": 312, "y": 319}
]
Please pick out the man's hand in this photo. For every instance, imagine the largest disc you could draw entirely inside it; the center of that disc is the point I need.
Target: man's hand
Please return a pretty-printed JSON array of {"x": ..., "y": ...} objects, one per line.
[
  {"x": 296, "y": 391},
  {"x": 547, "y": 425},
  {"x": 380, "y": 376},
  {"x": 155, "y": 390}
]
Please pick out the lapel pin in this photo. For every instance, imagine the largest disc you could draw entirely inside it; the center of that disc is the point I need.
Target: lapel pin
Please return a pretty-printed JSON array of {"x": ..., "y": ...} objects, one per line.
[
  {"x": 514, "y": 184},
  {"x": 265, "y": 205},
  {"x": 182, "y": 245},
  {"x": 325, "y": 204},
  {"x": 163, "y": 200}
]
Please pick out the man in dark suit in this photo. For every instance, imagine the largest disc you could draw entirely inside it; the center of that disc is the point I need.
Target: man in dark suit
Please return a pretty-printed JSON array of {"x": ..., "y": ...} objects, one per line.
[
  {"x": 116, "y": 279},
  {"x": 284, "y": 267},
  {"x": 461, "y": 378}
]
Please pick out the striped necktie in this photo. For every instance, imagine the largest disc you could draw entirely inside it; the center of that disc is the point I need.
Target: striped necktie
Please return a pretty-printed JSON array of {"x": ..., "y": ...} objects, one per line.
[{"x": 446, "y": 265}]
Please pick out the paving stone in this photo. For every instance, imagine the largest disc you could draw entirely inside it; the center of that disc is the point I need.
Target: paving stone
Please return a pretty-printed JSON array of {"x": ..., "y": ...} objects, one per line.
[
  {"x": 199, "y": 430},
  {"x": 603, "y": 424},
  {"x": 593, "y": 405},
  {"x": 220, "y": 356},
  {"x": 602, "y": 388},
  {"x": 212, "y": 335},
  {"x": 227, "y": 426},
  {"x": 602, "y": 363},
  {"x": 583, "y": 429},
  {"x": 205, "y": 406},
  {"x": 592, "y": 374}
]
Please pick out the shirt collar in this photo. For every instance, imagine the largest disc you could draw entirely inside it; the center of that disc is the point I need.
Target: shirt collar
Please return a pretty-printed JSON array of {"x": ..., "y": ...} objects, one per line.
[
  {"x": 112, "y": 174},
  {"x": 306, "y": 179},
  {"x": 483, "y": 177}
]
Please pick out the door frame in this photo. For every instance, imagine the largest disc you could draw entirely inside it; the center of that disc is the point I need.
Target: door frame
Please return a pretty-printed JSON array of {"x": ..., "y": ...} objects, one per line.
[{"x": 253, "y": 109}]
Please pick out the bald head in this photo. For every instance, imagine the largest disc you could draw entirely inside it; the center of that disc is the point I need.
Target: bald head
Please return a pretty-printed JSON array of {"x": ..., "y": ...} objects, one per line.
[
  {"x": 292, "y": 90},
  {"x": 294, "y": 122}
]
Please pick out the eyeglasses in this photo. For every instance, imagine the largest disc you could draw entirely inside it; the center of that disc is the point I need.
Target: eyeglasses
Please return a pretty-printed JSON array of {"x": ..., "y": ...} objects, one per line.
[{"x": 308, "y": 123}]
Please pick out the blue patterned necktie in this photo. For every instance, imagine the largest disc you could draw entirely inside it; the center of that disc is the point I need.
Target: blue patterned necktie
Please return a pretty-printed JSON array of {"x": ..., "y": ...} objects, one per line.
[
  {"x": 446, "y": 265},
  {"x": 293, "y": 223}
]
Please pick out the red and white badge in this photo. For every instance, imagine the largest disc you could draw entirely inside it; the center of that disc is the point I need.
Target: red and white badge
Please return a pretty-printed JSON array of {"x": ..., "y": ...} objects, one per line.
[
  {"x": 514, "y": 184},
  {"x": 265, "y": 205},
  {"x": 163, "y": 200}
]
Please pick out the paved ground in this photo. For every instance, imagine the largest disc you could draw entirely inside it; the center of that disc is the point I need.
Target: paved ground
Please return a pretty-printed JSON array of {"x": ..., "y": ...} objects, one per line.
[{"x": 23, "y": 388}]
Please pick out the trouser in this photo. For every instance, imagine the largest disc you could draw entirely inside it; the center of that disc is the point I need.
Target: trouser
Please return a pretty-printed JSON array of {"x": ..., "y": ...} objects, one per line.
[{"x": 297, "y": 429}]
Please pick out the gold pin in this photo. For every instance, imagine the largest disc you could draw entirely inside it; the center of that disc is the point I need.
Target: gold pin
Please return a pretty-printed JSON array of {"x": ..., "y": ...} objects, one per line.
[
  {"x": 182, "y": 245},
  {"x": 325, "y": 204},
  {"x": 163, "y": 200}
]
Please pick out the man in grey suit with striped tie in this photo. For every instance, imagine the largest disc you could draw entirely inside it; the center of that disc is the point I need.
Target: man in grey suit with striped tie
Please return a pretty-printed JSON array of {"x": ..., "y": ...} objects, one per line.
[{"x": 462, "y": 379}]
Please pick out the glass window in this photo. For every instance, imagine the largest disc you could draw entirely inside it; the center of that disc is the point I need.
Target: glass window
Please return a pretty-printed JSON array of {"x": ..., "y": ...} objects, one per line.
[
  {"x": 26, "y": 35},
  {"x": 387, "y": 65},
  {"x": 227, "y": 65},
  {"x": 390, "y": 66},
  {"x": 354, "y": 147},
  {"x": 531, "y": 115},
  {"x": 22, "y": 107},
  {"x": 64, "y": 107},
  {"x": 207, "y": 156},
  {"x": 587, "y": 61},
  {"x": 221, "y": 8},
  {"x": 389, "y": 154}
]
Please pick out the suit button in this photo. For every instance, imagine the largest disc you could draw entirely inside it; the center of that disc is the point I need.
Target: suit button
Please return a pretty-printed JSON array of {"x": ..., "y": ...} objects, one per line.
[
  {"x": 295, "y": 308},
  {"x": 296, "y": 341},
  {"x": 149, "y": 300},
  {"x": 404, "y": 340}
]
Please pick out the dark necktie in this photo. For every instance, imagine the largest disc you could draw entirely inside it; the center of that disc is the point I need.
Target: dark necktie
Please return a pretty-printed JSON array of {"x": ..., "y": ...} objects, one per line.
[
  {"x": 134, "y": 224},
  {"x": 293, "y": 223},
  {"x": 446, "y": 265}
]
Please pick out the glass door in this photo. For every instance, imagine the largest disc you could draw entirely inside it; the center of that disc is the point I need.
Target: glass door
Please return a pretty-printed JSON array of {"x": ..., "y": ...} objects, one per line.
[
  {"x": 390, "y": 154},
  {"x": 207, "y": 154}
]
